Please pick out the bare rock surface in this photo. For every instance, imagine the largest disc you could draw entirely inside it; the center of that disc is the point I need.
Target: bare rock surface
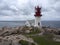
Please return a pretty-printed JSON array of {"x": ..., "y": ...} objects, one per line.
[
  {"x": 14, "y": 39},
  {"x": 12, "y": 36}
]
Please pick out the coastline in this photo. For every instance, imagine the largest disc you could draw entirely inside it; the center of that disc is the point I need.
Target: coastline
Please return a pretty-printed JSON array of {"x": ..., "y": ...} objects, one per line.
[{"x": 21, "y": 32}]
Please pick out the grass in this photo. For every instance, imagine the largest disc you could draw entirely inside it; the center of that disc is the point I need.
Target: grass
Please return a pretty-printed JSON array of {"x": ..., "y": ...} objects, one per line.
[
  {"x": 42, "y": 41},
  {"x": 23, "y": 42},
  {"x": 46, "y": 39}
]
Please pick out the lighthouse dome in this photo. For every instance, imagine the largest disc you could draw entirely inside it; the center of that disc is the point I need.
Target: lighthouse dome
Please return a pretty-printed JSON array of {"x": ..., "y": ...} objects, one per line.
[{"x": 37, "y": 11}]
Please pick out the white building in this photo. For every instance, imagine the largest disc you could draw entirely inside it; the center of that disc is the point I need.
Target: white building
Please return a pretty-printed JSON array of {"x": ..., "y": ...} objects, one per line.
[{"x": 30, "y": 23}]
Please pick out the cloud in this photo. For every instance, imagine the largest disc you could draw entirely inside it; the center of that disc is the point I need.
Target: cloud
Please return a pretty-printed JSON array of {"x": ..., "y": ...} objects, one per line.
[
  {"x": 52, "y": 11},
  {"x": 24, "y": 9}
]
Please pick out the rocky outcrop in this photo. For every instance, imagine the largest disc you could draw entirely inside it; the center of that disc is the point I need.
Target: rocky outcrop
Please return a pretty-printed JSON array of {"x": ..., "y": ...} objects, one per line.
[
  {"x": 14, "y": 40},
  {"x": 12, "y": 35}
]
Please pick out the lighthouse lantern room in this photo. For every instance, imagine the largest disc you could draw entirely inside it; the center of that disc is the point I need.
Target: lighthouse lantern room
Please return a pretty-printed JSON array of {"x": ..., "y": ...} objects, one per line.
[{"x": 37, "y": 16}]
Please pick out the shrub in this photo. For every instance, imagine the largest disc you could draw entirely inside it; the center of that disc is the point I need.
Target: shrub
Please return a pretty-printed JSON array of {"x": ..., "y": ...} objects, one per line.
[
  {"x": 23, "y": 42},
  {"x": 49, "y": 36},
  {"x": 32, "y": 44}
]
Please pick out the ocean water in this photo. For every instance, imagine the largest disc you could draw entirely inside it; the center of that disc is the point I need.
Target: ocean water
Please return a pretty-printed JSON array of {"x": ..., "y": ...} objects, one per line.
[
  {"x": 12, "y": 23},
  {"x": 55, "y": 24}
]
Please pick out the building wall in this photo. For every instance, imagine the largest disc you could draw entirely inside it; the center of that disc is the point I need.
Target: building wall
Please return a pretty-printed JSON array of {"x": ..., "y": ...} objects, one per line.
[{"x": 38, "y": 21}]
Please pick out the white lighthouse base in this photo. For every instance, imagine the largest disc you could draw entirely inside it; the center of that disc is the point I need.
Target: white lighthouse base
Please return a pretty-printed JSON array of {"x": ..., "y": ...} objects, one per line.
[{"x": 38, "y": 22}]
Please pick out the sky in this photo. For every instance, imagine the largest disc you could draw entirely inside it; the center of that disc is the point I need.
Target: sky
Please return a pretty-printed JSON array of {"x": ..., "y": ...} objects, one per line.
[{"x": 17, "y": 10}]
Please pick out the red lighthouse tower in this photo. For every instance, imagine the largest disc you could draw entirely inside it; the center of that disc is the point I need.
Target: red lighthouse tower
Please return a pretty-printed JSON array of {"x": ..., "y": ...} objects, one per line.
[
  {"x": 37, "y": 16},
  {"x": 38, "y": 11}
]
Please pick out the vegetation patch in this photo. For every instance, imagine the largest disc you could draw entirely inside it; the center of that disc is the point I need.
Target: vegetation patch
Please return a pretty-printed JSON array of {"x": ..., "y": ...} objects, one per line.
[
  {"x": 32, "y": 43},
  {"x": 23, "y": 42},
  {"x": 40, "y": 40}
]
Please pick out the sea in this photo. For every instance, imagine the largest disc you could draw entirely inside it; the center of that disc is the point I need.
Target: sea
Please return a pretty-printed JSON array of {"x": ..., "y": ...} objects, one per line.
[{"x": 54, "y": 24}]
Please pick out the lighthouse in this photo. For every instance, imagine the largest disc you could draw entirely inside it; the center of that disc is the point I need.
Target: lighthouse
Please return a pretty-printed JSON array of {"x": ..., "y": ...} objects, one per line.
[{"x": 38, "y": 16}]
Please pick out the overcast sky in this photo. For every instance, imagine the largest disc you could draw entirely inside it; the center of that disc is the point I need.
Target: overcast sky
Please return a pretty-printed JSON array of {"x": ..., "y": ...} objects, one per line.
[{"x": 12, "y": 10}]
